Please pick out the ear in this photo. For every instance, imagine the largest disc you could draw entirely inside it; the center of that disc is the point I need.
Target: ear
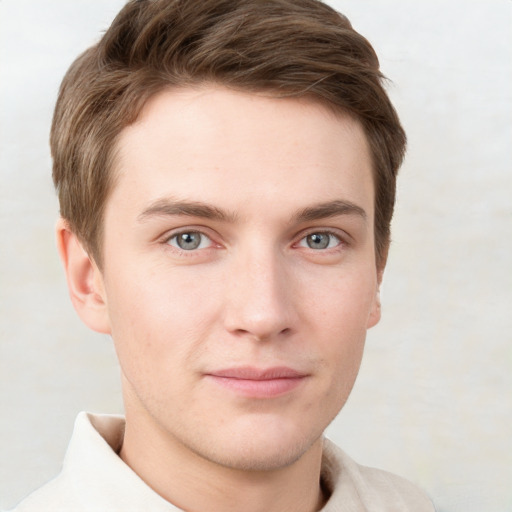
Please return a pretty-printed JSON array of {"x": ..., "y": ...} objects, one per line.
[
  {"x": 85, "y": 281},
  {"x": 375, "y": 311}
]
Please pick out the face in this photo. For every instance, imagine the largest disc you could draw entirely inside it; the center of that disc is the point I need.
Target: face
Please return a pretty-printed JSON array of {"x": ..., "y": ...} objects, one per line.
[{"x": 239, "y": 272}]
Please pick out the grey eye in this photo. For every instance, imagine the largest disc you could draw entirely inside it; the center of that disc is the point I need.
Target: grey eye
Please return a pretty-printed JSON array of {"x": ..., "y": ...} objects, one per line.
[
  {"x": 320, "y": 240},
  {"x": 188, "y": 241}
]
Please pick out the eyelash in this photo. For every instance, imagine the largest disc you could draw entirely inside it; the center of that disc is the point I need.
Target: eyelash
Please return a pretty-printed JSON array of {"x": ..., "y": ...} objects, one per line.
[
  {"x": 174, "y": 236},
  {"x": 330, "y": 234}
]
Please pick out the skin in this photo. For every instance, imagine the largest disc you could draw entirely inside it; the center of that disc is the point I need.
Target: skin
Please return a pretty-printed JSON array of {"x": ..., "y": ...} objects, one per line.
[{"x": 279, "y": 195}]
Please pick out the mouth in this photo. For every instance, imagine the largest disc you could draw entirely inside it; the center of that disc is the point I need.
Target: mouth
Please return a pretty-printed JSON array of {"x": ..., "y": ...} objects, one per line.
[{"x": 256, "y": 382}]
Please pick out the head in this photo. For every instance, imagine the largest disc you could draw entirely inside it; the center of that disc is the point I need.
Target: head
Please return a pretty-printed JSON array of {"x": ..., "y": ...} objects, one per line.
[
  {"x": 283, "y": 48},
  {"x": 229, "y": 168}
]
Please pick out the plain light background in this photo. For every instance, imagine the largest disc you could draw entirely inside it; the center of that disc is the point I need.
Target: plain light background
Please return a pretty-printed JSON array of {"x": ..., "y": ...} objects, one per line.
[{"x": 433, "y": 401}]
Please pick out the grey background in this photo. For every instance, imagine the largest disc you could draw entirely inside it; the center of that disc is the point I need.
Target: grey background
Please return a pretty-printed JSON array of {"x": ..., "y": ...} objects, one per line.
[{"x": 433, "y": 399}]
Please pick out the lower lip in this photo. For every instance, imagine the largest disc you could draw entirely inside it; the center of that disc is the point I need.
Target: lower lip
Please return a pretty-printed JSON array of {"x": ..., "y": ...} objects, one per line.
[{"x": 267, "y": 388}]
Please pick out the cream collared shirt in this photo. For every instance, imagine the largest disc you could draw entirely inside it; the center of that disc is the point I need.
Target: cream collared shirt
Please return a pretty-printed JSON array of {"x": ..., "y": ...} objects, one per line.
[{"x": 95, "y": 479}]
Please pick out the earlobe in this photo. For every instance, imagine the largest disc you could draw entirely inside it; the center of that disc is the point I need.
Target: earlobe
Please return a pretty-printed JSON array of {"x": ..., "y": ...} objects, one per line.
[
  {"x": 85, "y": 282},
  {"x": 375, "y": 312}
]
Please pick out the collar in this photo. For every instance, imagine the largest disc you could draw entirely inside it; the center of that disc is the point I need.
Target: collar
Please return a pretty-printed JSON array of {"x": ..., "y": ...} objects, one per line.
[{"x": 99, "y": 479}]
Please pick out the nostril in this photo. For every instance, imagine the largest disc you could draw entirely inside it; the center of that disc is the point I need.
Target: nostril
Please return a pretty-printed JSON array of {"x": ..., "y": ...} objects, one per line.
[{"x": 262, "y": 335}]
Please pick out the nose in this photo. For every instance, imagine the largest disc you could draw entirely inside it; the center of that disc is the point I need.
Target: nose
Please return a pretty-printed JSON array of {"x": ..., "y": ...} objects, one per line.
[{"x": 259, "y": 299}]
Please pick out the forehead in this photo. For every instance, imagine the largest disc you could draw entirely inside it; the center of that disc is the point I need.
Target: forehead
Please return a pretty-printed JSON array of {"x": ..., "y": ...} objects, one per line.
[{"x": 242, "y": 149}]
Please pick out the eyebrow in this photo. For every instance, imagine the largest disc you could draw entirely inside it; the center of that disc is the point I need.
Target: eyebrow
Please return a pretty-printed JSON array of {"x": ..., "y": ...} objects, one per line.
[
  {"x": 329, "y": 209},
  {"x": 167, "y": 207}
]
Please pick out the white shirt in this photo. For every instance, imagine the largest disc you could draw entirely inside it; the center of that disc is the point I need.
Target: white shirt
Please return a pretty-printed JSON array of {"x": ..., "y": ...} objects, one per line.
[{"x": 95, "y": 479}]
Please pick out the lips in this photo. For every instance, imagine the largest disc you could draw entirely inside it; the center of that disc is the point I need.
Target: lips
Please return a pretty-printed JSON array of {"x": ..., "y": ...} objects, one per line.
[{"x": 257, "y": 382}]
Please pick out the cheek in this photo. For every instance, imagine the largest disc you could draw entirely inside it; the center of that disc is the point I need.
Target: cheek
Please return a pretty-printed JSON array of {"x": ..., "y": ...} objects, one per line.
[
  {"x": 156, "y": 319},
  {"x": 342, "y": 365},
  {"x": 342, "y": 300},
  {"x": 339, "y": 317}
]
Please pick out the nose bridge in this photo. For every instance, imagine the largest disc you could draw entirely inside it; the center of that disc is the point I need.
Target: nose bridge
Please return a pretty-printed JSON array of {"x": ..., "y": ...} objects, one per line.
[{"x": 259, "y": 296}]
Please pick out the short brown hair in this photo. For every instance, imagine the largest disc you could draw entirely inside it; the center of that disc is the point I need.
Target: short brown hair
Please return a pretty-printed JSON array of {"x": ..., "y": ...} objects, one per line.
[{"x": 286, "y": 47}]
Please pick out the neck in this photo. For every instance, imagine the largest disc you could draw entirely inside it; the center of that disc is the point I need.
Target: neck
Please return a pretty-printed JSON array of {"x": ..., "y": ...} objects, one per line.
[{"x": 194, "y": 483}]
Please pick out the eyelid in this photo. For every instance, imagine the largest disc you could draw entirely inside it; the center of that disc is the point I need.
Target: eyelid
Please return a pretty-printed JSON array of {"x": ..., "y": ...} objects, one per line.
[
  {"x": 343, "y": 236},
  {"x": 202, "y": 230},
  {"x": 303, "y": 241},
  {"x": 201, "y": 243}
]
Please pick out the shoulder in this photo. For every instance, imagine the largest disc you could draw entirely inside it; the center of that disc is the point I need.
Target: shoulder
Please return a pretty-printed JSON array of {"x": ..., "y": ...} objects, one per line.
[
  {"x": 91, "y": 448},
  {"x": 93, "y": 476},
  {"x": 361, "y": 488},
  {"x": 55, "y": 496}
]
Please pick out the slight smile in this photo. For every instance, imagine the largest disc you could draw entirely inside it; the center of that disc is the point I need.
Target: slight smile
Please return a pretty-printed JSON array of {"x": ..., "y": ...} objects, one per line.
[{"x": 258, "y": 383}]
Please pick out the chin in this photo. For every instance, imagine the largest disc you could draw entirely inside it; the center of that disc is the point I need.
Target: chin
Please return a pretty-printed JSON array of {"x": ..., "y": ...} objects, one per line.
[
  {"x": 256, "y": 458},
  {"x": 260, "y": 448}
]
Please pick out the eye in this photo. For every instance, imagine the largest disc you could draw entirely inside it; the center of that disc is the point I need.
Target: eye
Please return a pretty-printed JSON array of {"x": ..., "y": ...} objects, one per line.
[
  {"x": 320, "y": 240},
  {"x": 190, "y": 241}
]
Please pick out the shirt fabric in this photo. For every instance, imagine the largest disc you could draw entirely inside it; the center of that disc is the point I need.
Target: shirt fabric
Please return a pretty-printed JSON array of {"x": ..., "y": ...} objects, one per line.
[{"x": 95, "y": 479}]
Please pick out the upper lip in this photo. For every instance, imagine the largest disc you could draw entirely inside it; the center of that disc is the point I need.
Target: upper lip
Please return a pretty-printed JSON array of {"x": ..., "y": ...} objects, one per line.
[{"x": 251, "y": 373}]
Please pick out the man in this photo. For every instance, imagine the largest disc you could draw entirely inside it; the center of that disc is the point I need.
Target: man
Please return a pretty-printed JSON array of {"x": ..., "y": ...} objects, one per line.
[{"x": 226, "y": 175}]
